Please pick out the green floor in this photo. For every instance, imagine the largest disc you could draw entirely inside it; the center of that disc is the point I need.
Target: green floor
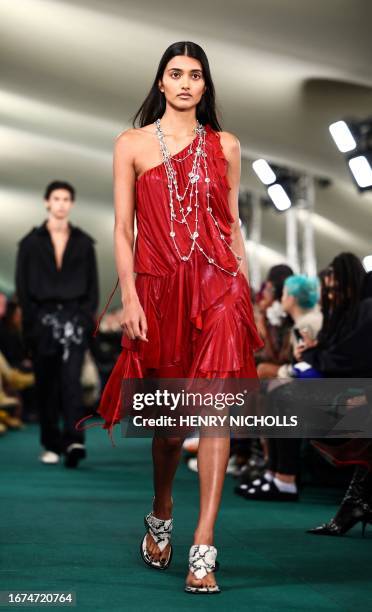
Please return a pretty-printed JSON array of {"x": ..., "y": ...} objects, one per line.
[{"x": 79, "y": 530}]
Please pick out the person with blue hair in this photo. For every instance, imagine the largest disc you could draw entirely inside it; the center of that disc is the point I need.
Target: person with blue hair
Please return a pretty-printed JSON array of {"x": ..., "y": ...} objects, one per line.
[
  {"x": 299, "y": 300},
  {"x": 305, "y": 289}
]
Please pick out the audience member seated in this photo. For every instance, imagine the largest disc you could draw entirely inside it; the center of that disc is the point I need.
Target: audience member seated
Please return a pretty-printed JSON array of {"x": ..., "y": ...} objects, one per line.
[
  {"x": 299, "y": 300},
  {"x": 273, "y": 324},
  {"x": 15, "y": 365},
  {"x": 347, "y": 356}
]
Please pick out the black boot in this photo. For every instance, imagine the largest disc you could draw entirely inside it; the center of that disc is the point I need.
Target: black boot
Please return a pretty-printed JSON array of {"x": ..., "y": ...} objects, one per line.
[{"x": 355, "y": 507}]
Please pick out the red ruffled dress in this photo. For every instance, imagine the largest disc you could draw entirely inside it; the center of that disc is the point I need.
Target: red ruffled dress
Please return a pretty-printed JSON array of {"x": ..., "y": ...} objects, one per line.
[{"x": 200, "y": 319}]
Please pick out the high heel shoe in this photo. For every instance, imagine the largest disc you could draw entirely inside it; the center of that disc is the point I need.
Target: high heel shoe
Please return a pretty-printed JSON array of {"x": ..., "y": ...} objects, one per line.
[
  {"x": 332, "y": 528},
  {"x": 355, "y": 508}
]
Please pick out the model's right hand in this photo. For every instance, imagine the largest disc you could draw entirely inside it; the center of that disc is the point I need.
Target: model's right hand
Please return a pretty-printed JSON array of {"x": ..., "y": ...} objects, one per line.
[{"x": 134, "y": 322}]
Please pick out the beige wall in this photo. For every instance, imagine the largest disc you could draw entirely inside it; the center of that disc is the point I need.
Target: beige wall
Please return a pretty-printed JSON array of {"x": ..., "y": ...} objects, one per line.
[{"x": 73, "y": 74}]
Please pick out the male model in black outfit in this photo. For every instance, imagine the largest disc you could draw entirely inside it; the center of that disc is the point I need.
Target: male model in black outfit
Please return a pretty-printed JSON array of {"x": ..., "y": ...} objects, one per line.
[{"x": 57, "y": 287}]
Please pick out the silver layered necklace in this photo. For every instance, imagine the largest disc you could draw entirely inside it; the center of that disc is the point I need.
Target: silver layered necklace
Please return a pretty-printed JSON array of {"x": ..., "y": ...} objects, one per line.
[{"x": 181, "y": 205}]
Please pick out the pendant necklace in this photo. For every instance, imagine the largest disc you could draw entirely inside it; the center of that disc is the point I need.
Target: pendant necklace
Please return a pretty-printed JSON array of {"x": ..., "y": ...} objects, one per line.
[{"x": 191, "y": 192}]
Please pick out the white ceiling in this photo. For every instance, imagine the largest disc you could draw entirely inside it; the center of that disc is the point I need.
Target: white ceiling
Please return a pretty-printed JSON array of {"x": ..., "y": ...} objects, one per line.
[{"x": 74, "y": 72}]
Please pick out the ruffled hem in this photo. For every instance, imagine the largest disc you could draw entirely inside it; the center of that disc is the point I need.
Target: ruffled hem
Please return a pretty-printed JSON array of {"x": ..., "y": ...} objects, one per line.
[
  {"x": 218, "y": 341},
  {"x": 194, "y": 301},
  {"x": 127, "y": 366},
  {"x": 229, "y": 337}
]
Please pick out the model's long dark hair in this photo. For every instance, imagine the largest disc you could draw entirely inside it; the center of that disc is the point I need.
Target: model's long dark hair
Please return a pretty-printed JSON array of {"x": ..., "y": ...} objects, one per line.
[
  {"x": 153, "y": 107},
  {"x": 340, "y": 312}
]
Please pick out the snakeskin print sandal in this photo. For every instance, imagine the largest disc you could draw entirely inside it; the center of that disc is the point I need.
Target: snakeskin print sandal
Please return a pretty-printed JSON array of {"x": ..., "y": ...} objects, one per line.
[
  {"x": 160, "y": 530},
  {"x": 202, "y": 561}
]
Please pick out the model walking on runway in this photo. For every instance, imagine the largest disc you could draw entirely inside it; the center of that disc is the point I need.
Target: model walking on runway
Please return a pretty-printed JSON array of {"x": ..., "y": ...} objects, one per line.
[
  {"x": 57, "y": 288},
  {"x": 187, "y": 313}
]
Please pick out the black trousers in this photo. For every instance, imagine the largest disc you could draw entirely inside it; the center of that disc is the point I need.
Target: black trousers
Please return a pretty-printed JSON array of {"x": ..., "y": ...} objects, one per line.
[
  {"x": 59, "y": 395},
  {"x": 284, "y": 455},
  {"x": 312, "y": 402}
]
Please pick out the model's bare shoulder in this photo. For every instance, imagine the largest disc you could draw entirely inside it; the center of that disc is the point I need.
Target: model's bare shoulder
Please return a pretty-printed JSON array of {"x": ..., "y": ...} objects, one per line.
[
  {"x": 231, "y": 149},
  {"x": 134, "y": 139},
  {"x": 230, "y": 144},
  {"x": 126, "y": 138},
  {"x": 126, "y": 147}
]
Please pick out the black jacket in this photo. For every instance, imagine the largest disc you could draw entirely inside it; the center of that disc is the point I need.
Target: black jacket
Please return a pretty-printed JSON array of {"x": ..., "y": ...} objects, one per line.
[
  {"x": 351, "y": 355},
  {"x": 40, "y": 283}
]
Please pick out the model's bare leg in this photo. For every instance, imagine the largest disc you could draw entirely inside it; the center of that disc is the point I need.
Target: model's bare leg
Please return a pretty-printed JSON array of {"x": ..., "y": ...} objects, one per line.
[
  {"x": 213, "y": 456},
  {"x": 166, "y": 453}
]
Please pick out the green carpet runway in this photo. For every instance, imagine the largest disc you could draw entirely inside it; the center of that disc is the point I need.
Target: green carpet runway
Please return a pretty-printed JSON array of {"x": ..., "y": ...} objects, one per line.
[{"x": 79, "y": 530}]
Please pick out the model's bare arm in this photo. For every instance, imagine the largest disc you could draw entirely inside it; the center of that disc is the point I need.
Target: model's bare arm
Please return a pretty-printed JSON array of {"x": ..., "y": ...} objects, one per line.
[
  {"x": 134, "y": 320},
  {"x": 231, "y": 148}
]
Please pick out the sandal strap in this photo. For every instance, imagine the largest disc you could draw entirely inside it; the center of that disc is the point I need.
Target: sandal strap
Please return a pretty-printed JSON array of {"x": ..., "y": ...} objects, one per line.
[
  {"x": 202, "y": 560},
  {"x": 160, "y": 529}
]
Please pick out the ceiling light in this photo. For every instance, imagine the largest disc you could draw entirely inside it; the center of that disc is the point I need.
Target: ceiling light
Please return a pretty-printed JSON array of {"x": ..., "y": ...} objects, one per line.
[
  {"x": 279, "y": 197},
  {"x": 362, "y": 171},
  {"x": 264, "y": 172},
  {"x": 367, "y": 263},
  {"x": 353, "y": 138},
  {"x": 342, "y": 136}
]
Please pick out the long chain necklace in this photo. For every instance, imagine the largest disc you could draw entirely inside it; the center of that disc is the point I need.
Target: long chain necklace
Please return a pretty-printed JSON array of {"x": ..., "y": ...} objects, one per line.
[{"x": 191, "y": 192}]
